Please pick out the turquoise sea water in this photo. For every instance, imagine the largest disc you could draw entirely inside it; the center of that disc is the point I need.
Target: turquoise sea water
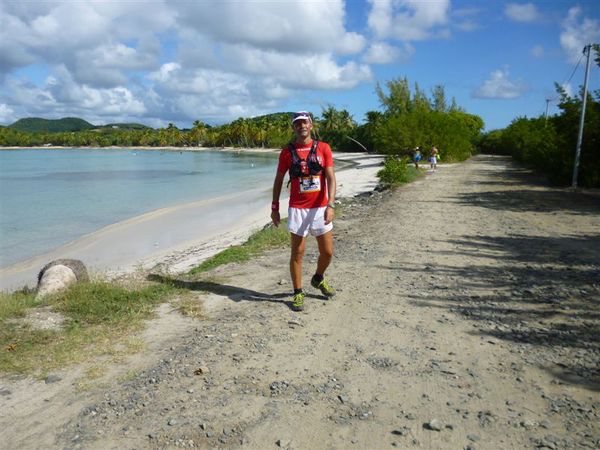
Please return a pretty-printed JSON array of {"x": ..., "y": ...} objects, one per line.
[{"x": 51, "y": 197}]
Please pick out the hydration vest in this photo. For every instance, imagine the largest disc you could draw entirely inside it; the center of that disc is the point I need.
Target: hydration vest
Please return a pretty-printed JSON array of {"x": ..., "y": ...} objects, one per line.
[{"x": 312, "y": 162}]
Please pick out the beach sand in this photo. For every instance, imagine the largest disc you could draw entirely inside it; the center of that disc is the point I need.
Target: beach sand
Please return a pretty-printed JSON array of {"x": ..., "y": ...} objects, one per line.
[{"x": 178, "y": 238}]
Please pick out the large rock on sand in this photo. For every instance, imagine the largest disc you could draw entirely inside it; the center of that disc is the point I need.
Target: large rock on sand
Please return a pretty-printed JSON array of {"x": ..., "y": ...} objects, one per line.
[{"x": 59, "y": 275}]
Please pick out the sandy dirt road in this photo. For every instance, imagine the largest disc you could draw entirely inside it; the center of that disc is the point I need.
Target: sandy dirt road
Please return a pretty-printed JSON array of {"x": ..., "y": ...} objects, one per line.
[{"x": 467, "y": 316}]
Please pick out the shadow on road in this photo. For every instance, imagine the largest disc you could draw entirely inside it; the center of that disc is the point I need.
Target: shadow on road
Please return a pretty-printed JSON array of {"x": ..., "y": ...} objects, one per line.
[
  {"x": 562, "y": 251},
  {"x": 541, "y": 291},
  {"x": 234, "y": 293},
  {"x": 529, "y": 297},
  {"x": 503, "y": 172},
  {"x": 531, "y": 200}
]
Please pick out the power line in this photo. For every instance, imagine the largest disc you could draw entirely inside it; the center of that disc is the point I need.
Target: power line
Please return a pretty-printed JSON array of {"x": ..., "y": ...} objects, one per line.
[
  {"x": 574, "y": 70},
  {"x": 551, "y": 99}
]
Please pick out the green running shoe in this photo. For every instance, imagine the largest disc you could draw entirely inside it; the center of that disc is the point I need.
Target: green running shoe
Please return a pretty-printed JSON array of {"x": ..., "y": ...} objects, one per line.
[
  {"x": 298, "y": 301},
  {"x": 323, "y": 286}
]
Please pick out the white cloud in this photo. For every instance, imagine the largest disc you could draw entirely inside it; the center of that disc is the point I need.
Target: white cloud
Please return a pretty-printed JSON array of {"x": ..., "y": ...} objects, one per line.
[
  {"x": 499, "y": 86},
  {"x": 82, "y": 35},
  {"x": 198, "y": 91},
  {"x": 118, "y": 55},
  {"x": 537, "y": 51},
  {"x": 290, "y": 26},
  {"x": 316, "y": 71},
  {"x": 207, "y": 94},
  {"x": 382, "y": 53},
  {"x": 522, "y": 12},
  {"x": 13, "y": 52},
  {"x": 275, "y": 91},
  {"x": 29, "y": 96},
  {"x": 61, "y": 95},
  {"x": 409, "y": 20},
  {"x": 165, "y": 72},
  {"x": 223, "y": 57},
  {"x": 568, "y": 89},
  {"x": 214, "y": 94},
  {"x": 174, "y": 80},
  {"x": 577, "y": 34},
  {"x": 248, "y": 81},
  {"x": 6, "y": 114}
]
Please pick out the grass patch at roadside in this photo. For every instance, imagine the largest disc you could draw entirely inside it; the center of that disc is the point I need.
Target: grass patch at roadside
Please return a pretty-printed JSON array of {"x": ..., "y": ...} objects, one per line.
[
  {"x": 15, "y": 304},
  {"x": 396, "y": 172},
  {"x": 98, "y": 316},
  {"x": 108, "y": 303},
  {"x": 260, "y": 241}
]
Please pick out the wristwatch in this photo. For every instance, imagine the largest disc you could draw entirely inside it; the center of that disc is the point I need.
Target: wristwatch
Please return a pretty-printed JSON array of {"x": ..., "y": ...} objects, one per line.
[{"x": 331, "y": 205}]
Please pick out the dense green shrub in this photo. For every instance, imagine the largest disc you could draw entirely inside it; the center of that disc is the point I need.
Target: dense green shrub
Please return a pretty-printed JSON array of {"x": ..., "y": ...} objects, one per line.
[
  {"x": 548, "y": 144},
  {"x": 395, "y": 171},
  {"x": 567, "y": 128},
  {"x": 490, "y": 143},
  {"x": 411, "y": 119},
  {"x": 452, "y": 133}
]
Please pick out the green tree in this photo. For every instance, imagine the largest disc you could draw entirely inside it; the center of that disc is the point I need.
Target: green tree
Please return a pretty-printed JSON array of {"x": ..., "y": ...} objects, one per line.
[
  {"x": 414, "y": 121},
  {"x": 365, "y": 133},
  {"x": 548, "y": 145},
  {"x": 397, "y": 101},
  {"x": 491, "y": 143},
  {"x": 596, "y": 48},
  {"x": 439, "y": 98},
  {"x": 335, "y": 127},
  {"x": 419, "y": 102},
  {"x": 198, "y": 134}
]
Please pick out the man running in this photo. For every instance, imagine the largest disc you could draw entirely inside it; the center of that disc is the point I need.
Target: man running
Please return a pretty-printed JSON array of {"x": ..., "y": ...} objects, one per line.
[{"x": 312, "y": 203}]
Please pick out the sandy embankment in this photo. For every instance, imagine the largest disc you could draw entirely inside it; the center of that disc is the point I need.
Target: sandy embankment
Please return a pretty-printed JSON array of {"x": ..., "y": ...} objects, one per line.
[{"x": 182, "y": 236}]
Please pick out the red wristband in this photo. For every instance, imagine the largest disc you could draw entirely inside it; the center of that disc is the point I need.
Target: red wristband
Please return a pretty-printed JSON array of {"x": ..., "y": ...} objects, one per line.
[{"x": 275, "y": 206}]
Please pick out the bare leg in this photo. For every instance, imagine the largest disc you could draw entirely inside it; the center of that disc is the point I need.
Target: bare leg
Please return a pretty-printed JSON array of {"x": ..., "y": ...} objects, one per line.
[
  {"x": 325, "y": 242},
  {"x": 298, "y": 244}
]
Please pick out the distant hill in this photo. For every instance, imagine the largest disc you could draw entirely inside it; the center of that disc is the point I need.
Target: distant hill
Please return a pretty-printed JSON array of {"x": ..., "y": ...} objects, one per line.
[
  {"x": 273, "y": 117},
  {"x": 31, "y": 124},
  {"x": 36, "y": 124}
]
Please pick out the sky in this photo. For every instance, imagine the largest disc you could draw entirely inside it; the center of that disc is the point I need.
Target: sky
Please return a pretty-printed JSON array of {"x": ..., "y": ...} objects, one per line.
[{"x": 160, "y": 62}]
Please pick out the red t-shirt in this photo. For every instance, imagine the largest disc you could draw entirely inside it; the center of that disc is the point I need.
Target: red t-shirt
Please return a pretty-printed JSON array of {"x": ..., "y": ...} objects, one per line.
[{"x": 307, "y": 191}]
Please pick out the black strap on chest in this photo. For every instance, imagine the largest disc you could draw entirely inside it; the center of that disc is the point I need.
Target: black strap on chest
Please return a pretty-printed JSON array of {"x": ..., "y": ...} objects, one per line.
[{"x": 312, "y": 162}]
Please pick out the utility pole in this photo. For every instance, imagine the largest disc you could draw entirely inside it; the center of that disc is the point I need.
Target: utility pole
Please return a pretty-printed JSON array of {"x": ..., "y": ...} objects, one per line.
[
  {"x": 547, "y": 103},
  {"x": 587, "y": 48}
]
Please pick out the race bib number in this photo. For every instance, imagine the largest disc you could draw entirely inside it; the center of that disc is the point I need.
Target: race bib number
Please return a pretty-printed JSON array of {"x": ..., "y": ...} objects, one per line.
[{"x": 310, "y": 184}]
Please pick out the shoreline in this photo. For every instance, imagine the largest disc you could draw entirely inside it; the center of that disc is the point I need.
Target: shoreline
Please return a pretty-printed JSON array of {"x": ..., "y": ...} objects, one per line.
[{"x": 169, "y": 237}]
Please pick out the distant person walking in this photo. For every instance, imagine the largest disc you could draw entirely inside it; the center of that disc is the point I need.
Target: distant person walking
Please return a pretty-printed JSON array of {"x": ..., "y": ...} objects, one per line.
[
  {"x": 312, "y": 203},
  {"x": 433, "y": 157},
  {"x": 417, "y": 157}
]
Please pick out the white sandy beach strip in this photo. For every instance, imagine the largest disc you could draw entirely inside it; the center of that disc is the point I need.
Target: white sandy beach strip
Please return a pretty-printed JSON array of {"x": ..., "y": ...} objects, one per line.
[{"x": 180, "y": 237}]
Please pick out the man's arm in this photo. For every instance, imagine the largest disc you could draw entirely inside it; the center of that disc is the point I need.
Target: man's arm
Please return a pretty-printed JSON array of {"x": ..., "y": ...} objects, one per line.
[
  {"x": 331, "y": 189},
  {"x": 277, "y": 184}
]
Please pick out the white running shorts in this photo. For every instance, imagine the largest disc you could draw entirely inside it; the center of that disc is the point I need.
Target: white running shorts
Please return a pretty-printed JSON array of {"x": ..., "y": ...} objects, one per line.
[{"x": 302, "y": 221}]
